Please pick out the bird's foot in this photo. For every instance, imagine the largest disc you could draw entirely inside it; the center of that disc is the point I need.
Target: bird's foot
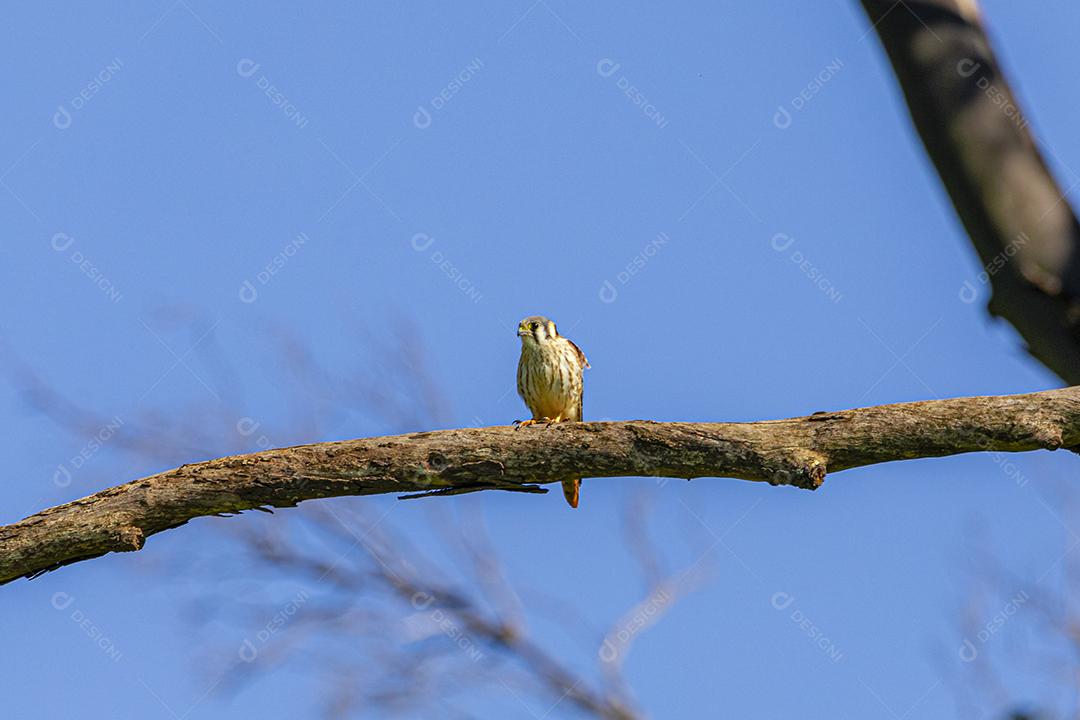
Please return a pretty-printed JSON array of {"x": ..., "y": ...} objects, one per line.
[{"x": 518, "y": 424}]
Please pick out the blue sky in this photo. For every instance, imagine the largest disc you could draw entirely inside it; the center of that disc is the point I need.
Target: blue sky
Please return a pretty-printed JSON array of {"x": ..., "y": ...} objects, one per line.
[{"x": 179, "y": 179}]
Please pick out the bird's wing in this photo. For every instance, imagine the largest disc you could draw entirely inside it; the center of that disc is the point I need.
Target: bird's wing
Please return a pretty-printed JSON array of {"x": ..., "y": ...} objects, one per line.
[
  {"x": 577, "y": 414},
  {"x": 521, "y": 377},
  {"x": 581, "y": 355},
  {"x": 577, "y": 405},
  {"x": 572, "y": 488}
]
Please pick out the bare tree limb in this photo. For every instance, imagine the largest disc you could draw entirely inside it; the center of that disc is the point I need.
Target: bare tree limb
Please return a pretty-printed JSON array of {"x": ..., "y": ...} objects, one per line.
[
  {"x": 798, "y": 452},
  {"x": 977, "y": 136}
]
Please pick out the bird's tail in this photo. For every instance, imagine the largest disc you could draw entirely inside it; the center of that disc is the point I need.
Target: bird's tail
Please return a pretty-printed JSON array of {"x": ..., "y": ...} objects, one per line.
[{"x": 572, "y": 489}]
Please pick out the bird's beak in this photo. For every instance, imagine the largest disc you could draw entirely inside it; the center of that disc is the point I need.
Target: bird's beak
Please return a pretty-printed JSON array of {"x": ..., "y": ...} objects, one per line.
[{"x": 522, "y": 332}]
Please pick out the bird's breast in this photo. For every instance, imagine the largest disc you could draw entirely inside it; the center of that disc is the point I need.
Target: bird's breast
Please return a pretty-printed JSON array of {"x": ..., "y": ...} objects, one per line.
[{"x": 549, "y": 381}]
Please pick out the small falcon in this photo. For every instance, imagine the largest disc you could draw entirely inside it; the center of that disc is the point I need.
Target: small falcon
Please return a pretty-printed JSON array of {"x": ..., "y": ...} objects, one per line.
[{"x": 549, "y": 380}]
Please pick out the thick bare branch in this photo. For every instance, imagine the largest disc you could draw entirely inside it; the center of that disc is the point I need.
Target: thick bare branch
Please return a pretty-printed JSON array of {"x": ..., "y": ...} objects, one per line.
[
  {"x": 798, "y": 452},
  {"x": 978, "y": 138}
]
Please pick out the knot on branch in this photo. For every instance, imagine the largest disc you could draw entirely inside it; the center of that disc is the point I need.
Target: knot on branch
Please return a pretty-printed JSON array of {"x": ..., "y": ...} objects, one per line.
[
  {"x": 800, "y": 467},
  {"x": 131, "y": 538},
  {"x": 1048, "y": 436}
]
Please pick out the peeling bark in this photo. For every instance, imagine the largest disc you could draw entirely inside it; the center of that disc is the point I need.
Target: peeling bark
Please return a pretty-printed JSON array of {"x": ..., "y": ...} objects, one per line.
[{"x": 798, "y": 451}]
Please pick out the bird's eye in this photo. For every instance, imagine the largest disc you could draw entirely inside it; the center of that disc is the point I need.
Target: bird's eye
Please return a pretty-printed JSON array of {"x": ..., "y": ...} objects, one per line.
[{"x": 534, "y": 326}]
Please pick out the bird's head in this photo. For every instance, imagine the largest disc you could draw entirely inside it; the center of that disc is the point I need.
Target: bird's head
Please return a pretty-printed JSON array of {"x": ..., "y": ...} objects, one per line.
[{"x": 536, "y": 330}]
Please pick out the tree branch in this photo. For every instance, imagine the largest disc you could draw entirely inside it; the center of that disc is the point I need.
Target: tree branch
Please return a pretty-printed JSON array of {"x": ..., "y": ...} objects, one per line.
[
  {"x": 798, "y": 452},
  {"x": 977, "y": 136}
]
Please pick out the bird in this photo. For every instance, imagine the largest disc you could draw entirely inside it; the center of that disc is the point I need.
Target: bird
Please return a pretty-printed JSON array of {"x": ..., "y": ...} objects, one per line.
[{"x": 549, "y": 380}]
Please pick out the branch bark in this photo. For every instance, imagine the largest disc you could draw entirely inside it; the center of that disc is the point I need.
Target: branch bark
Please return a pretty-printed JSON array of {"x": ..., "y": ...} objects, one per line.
[
  {"x": 975, "y": 132},
  {"x": 797, "y": 451}
]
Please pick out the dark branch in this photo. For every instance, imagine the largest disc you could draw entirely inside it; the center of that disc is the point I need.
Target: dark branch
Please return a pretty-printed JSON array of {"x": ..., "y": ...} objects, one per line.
[{"x": 978, "y": 138}]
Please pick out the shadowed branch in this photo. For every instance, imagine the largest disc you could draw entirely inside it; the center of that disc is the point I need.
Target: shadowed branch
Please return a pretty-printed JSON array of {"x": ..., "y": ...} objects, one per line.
[{"x": 978, "y": 137}]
